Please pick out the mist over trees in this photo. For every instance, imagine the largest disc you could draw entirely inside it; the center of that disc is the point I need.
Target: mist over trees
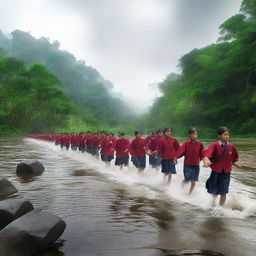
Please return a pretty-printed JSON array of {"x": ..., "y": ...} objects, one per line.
[
  {"x": 30, "y": 98},
  {"x": 217, "y": 84},
  {"x": 88, "y": 91},
  {"x": 45, "y": 89}
]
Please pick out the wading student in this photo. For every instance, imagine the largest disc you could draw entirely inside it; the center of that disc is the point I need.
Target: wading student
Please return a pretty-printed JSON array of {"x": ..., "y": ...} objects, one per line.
[
  {"x": 137, "y": 150},
  {"x": 122, "y": 146},
  {"x": 193, "y": 151},
  {"x": 220, "y": 156},
  {"x": 168, "y": 147},
  {"x": 107, "y": 149},
  {"x": 155, "y": 159}
]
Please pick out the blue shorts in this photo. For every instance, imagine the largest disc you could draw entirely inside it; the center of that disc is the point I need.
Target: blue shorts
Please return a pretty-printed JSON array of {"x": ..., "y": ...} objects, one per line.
[
  {"x": 168, "y": 166},
  {"x": 139, "y": 161},
  {"x": 122, "y": 160},
  {"x": 106, "y": 158},
  {"x": 94, "y": 151},
  {"x": 191, "y": 172},
  {"x": 218, "y": 183},
  {"x": 155, "y": 161}
]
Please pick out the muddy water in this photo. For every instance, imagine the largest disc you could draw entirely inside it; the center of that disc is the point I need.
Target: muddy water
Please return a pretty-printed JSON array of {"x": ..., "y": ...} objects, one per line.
[{"x": 113, "y": 212}]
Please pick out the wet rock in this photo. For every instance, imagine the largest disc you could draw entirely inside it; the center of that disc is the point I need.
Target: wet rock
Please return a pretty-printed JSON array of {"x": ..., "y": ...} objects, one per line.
[
  {"x": 85, "y": 172},
  {"x": 29, "y": 167},
  {"x": 6, "y": 188},
  {"x": 12, "y": 209},
  {"x": 32, "y": 232}
]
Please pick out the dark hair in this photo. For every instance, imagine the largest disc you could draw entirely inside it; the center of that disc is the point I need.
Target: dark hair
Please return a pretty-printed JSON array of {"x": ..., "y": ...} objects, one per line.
[
  {"x": 137, "y": 132},
  {"x": 159, "y": 130},
  {"x": 192, "y": 130},
  {"x": 112, "y": 134},
  {"x": 221, "y": 130},
  {"x": 166, "y": 129},
  {"x": 121, "y": 134}
]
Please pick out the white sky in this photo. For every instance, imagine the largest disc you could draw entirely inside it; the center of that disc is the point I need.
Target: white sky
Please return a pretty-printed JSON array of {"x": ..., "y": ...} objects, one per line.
[{"x": 131, "y": 43}]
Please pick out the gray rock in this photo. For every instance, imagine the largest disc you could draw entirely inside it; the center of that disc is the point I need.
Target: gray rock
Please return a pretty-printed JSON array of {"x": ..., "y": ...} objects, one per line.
[
  {"x": 34, "y": 231},
  {"x": 29, "y": 167},
  {"x": 6, "y": 188},
  {"x": 12, "y": 209}
]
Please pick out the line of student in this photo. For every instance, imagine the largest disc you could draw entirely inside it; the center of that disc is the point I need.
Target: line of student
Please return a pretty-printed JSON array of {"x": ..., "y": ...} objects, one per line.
[{"x": 163, "y": 151}]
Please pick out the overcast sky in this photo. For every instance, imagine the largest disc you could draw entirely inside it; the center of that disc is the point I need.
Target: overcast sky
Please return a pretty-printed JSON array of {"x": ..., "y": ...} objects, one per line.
[{"x": 132, "y": 43}]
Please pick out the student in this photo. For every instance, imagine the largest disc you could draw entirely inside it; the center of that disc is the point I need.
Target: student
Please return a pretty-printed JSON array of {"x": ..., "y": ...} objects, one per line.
[
  {"x": 149, "y": 137},
  {"x": 137, "y": 150},
  {"x": 155, "y": 160},
  {"x": 193, "y": 150},
  {"x": 220, "y": 156},
  {"x": 122, "y": 146},
  {"x": 167, "y": 147},
  {"x": 107, "y": 149}
]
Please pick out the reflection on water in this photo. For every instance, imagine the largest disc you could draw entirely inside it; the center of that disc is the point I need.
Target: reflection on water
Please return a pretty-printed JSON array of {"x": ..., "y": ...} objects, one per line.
[{"x": 113, "y": 212}]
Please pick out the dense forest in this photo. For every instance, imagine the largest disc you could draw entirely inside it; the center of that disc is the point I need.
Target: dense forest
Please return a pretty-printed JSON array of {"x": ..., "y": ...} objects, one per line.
[
  {"x": 92, "y": 103},
  {"x": 46, "y": 89},
  {"x": 217, "y": 83}
]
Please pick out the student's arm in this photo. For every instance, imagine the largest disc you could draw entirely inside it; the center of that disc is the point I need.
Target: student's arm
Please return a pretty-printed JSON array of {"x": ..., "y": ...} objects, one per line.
[
  {"x": 176, "y": 147},
  {"x": 235, "y": 158},
  {"x": 208, "y": 154},
  {"x": 131, "y": 149},
  {"x": 201, "y": 152},
  {"x": 182, "y": 150}
]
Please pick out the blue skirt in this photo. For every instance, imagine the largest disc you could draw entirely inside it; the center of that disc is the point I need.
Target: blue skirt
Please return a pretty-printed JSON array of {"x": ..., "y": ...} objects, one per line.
[
  {"x": 168, "y": 166},
  {"x": 191, "y": 172},
  {"x": 122, "y": 160},
  {"x": 155, "y": 161},
  {"x": 139, "y": 161},
  {"x": 106, "y": 158},
  {"x": 218, "y": 183}
]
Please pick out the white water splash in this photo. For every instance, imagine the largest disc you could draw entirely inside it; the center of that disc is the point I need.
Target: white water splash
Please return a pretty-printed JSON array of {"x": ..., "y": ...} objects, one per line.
[{"x": 149, "y": 184}]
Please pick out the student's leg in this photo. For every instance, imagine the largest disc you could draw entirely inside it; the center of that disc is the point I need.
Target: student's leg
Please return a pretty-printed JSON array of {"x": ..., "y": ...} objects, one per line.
[
  {"x": 192, "y": 186},
  {"x": 213, "y": 200},
  {"x": 164, "y": 178},
  {"x": 169, "y": 178},
  {"x": 223, "y": 199}
]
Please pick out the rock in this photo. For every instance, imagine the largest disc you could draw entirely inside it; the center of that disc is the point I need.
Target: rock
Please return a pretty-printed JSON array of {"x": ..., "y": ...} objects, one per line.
[
  {"x": 12, "y": 209},
  {"x": 33, "y": 231},
  {"x": 6, "y": 188},
  {"x": 29, "y": 167}
]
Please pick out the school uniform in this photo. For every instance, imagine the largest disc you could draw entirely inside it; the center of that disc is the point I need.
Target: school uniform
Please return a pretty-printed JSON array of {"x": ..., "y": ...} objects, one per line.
[
  {"x": 154, "y": 159},
  {"x": 194, "y": 153},
  {"x": 218, "y": 183},
  {"x": 167, "y": 147},
  {"x": 138, "y": 153},
  {"x": 122, "y": 146},
  {"x": 107, "y": 150}
]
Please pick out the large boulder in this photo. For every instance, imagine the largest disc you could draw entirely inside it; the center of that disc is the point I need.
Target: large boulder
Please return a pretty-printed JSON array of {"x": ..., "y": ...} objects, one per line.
[
  {"x": 6, "y": 188},
  {"x": 12, "y": 209},
  {"x": 34, "y": 231},
  {"x": 29, "y": 167}
]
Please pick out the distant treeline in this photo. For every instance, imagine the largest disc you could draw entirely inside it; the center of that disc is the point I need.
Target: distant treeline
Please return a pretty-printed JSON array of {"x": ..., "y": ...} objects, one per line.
[
  {"x": 45, "y": 89},
  {"x": 217, "y": 84},
  {"x": 89, "y": 99}
]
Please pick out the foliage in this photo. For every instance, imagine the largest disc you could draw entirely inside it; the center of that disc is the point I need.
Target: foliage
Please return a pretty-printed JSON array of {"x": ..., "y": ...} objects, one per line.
[
  {"x": 217, "y": 85},
  {"x": 30, "y": 98}
]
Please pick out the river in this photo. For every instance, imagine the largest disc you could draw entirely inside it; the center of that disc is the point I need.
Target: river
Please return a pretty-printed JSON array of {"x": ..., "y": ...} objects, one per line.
[{"x": 111, "y": 212}]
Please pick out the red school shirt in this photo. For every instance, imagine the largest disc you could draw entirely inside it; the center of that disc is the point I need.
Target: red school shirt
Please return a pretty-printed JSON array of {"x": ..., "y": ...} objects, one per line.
[
  {"x": 108, "y": 147},
  {"x": 137, "y": 147},
  {"x": 167, "y": 147},
  {"x": 193, "y": 152},
  {"x": 223, "y": 163},
  {"x": 122, "y": 147}
]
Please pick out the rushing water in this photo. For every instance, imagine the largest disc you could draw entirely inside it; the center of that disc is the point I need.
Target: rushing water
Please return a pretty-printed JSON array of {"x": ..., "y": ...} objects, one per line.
[{"x": 114, "y": 212}]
